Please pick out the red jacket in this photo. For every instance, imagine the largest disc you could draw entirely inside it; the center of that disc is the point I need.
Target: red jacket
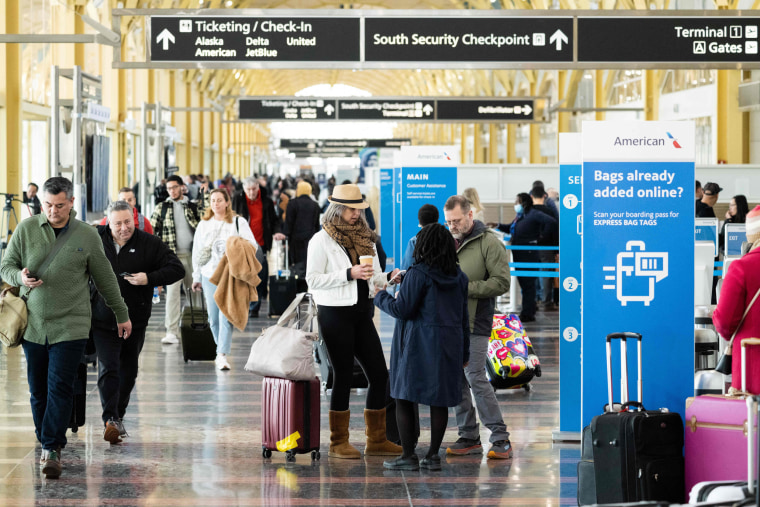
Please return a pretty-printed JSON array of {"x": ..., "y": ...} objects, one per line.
[
  {"x": 739, "y": 287},
  {"x": 147, "y": 227}
]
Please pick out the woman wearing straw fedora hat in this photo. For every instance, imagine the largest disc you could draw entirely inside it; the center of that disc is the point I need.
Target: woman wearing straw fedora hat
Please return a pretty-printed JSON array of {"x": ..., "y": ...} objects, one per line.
[{"x": 342, "y": 271}]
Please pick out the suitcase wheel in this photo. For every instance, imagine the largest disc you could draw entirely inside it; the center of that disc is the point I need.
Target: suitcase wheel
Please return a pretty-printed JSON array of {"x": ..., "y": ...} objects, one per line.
[
  {"x": 266, "y": 453},
  {"x": 527, "y": 388},
  {"x": 315, "y": 455},
  {"x": 290, "y": 456}
]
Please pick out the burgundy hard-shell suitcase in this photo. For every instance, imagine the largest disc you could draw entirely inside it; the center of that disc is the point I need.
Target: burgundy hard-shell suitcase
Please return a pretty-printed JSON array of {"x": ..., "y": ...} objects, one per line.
[
  {"x": 287, "y": 407},
  {"x": 716, "y": 436}
]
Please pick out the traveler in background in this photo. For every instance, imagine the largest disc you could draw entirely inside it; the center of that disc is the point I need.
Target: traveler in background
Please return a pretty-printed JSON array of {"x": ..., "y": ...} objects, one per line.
[
  {"x": 704, "y": 207},
  {"x": 549, "y": 202},
  {"x": 739, "y": 288},
  {"x": 551, "y": 238},
  {"x": 426, "y": 215},
  {"x": 478, "y": 213},
  {"x": 219, "y": 223},
  {"x": 192, "y": 186},
  {"x": 736, "y": 214},
  {"x": 553, "y": 194},
  {"x": 127, "y": 194},
  {"x": 343, "y": 289},
  {"x": 698, "y": 192},
  {"x": 253, "y": 204},
  {"x": 326, "y": 192},
  {"x": 174, "y": 221},
  {"x": 484, "y": 260},
  {"x": 59, "y": 309},
  {"x": 302, "y": 223},
  {"x": 431, "y": 340},
  {"x": 30, "y": 199},
  {"x": 140, "y": 261},
  {"x": 530, "y": 227}
]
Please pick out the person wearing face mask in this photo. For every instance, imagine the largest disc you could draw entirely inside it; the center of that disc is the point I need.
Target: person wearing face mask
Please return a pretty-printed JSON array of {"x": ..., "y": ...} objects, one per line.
[
  {"x": 140, "y": 261},
  {"x": 529, "y": 227}
]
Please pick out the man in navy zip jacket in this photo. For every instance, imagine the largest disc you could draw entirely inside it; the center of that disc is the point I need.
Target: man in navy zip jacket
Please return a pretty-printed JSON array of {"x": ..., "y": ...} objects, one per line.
[{"x": 141, "y": 262}]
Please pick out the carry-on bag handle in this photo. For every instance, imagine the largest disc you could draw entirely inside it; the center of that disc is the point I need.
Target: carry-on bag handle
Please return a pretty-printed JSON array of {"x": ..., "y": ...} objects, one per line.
[
  {"x": 624, "y": 402},
  {"x": 192, "y": 310}
]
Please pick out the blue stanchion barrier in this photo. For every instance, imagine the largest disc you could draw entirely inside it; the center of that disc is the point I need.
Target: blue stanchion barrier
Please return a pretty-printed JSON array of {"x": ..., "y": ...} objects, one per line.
[
  {"x": 530, "y": 247},
  {"x": 534, "y": 265},
  {"x": 536, "y": 274}
]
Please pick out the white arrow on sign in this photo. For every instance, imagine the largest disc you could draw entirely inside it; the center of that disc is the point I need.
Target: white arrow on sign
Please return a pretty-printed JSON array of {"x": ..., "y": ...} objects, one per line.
[
  {"x": 329, "y": 109},
  {"x": 527, "y": 109},
  {"x": 166, "y": 37},
  {"x": 558, "y": 38},
  {"x": 428, "y": 109}
]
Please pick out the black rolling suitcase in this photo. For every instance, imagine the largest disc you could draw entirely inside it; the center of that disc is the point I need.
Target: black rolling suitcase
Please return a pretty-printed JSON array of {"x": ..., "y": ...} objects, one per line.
[
  {"x": 283, "y": 284},
  {"x": 80, "y": 397},
  {"x": 321, "y": 357},
  {"x": 586, "y": 477},
  {"x": 638, "y": 454},
  {"x": 195, "y": 333}
]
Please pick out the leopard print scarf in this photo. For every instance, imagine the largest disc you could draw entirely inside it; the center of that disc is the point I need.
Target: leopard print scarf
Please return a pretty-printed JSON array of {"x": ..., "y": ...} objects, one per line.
[{"x": 357, "y": 239}]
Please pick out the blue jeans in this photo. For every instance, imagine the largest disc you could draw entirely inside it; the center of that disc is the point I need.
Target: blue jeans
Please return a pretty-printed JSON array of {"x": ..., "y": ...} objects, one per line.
[
  {"x": 220, "y": 326},
  {"x": 51, "y": 371}
]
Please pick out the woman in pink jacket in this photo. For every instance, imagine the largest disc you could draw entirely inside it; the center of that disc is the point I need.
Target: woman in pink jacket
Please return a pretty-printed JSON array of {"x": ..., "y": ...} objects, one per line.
[{"x": 739, "y": 288}]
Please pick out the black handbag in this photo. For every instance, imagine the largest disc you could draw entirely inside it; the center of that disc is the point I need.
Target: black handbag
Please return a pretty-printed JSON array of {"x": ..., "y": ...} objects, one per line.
[{"x": 725, "y": 360}]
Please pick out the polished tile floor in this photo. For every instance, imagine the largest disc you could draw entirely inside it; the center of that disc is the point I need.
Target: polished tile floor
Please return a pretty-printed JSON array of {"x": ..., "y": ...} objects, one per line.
[{"x": 195, "y": 439}]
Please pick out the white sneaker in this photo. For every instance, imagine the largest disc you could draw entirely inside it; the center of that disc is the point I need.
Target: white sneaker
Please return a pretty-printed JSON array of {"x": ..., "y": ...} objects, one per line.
[
  {"x": 170, "y": 339},
  {"x": 221, "y": 362}
]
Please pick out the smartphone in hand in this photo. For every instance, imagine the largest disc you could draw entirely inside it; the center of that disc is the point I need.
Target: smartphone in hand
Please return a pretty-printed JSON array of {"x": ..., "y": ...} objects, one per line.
[
  {"x": 397, "y": 279},
  {"x": 125, "y": 274}
]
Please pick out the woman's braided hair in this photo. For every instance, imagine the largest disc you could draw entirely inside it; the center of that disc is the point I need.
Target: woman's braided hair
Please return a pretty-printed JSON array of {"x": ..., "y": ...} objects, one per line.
[{"x": 436, "y": 248}]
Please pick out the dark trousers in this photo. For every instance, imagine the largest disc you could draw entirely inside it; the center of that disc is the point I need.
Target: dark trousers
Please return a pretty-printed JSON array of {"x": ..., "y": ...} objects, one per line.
[
  {"x": 261, "y": 288},
  {"x": 350, "y": 333},
  {"x": 547, "y": 283},
  {"x": 527, "y": 284},
  {"x": 51, "y": 371},
  {"x": 117, "y": 364}
]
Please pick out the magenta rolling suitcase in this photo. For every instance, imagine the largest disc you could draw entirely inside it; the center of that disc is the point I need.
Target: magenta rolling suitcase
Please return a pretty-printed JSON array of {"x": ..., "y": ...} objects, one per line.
[
  {"x": 716, "y": 439},
  {"x": 287, "y": 407}
]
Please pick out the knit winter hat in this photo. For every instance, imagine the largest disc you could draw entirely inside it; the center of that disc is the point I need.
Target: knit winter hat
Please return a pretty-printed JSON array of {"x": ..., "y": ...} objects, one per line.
[
  {"x": 303, "y": 188},
  {"x": 753, "y": 225}
]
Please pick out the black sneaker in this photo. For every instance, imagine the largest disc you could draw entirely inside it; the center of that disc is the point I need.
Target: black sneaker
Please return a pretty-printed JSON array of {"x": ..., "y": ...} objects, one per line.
[
  {"x": 411, "y": 463},
  {"x": 465, "y": 446},
  {"x": 500, "y": 450},
  {"x": 431, "y": 462}
]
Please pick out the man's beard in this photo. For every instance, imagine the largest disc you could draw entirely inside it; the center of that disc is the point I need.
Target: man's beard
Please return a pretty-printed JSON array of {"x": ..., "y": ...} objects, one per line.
[{"x": 458, "y": 235}]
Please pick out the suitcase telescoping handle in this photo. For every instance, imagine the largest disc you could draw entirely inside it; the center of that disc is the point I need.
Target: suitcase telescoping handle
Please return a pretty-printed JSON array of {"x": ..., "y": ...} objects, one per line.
[
  {"x": 189, "y": 293},
  {"x": 623, "y": 337}
]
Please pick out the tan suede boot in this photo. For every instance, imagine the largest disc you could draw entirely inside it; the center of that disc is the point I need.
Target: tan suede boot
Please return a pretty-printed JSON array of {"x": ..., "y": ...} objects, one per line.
[
  {"x": 339, "y": 446},
  {"x": 377, "y": 444}
]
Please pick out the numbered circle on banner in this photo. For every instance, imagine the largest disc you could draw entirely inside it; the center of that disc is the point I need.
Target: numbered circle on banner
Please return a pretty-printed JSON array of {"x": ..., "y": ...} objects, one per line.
[
  {"x": 570, "y": 334},
  {"x": 570, "y": 201},
  {"x": 570, "y": 284}
]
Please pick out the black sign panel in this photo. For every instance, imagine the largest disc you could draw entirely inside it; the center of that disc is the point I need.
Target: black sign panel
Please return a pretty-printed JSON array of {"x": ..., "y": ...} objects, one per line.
[
  {"x": 259, "y": 39},
  {"x": 379, "y": 109},
  {"x": 671, "y": 39},
  {"x": 486, "y": 110},
  {"x": 288, "y": 108},
  {"x": 468, "y": 39}
]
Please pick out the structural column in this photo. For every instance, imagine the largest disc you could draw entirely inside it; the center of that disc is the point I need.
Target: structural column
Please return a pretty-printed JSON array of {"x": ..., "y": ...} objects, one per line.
[
  {"x": 10, "y": 110},
  {"x": 733, "y": 143}
]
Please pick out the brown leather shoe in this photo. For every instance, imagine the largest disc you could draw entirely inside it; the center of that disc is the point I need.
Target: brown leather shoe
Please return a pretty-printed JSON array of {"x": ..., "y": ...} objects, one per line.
[
  {"x": 339, "y": 446},
  {"x": 377, "y": 444},
  {"x": 111, "y": 433}
]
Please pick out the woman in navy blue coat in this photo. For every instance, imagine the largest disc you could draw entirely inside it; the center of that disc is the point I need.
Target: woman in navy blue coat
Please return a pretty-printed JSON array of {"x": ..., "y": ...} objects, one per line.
[{"x": 431, "y": 342}]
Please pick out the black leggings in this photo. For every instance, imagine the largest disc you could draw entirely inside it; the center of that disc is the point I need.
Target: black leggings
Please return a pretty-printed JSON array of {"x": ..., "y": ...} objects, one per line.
[
  {"x": 408, "y": 422},
  {"x": 350, "y": 333}
]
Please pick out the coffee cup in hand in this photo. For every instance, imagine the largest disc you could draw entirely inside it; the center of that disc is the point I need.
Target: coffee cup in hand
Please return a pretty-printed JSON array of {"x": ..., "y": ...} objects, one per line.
[{"x": 366, "y": 259}]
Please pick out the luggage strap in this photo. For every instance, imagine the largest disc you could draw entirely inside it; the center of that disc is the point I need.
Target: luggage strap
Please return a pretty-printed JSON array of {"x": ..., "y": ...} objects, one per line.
[{"x": 307, "y": 416}]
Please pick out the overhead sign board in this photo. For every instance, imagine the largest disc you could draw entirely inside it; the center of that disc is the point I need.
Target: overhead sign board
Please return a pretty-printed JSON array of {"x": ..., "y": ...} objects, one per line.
[
  {"x": 668, "y": 39},
  {"x": 391, "y": 109},
  {"x": 348, "y": 144},
  {"x": 522, "y": 110},
  {"x": 468, "y": 39},
  {"x": 287, "y": 108},
  {"x": 190, "y": 38},
  {"x": 486, "y": 110},
  {"x": 413, "y": 39}
]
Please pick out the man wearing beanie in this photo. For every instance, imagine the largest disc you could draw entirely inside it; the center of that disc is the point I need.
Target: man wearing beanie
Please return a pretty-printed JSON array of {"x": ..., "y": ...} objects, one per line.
[
  {"x": 301, "y": 223},
  {"x": 740, "y": 286},
  {"x": 704, "y": 207}
]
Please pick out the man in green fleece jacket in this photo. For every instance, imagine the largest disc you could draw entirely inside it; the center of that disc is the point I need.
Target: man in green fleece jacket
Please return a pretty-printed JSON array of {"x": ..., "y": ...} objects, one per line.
[{"x": 59, "y": 309}]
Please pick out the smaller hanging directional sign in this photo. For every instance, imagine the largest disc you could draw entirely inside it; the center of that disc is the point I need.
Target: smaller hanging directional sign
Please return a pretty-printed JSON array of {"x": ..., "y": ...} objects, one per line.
[
  {"x": 287, "y": 108},
  {"x": 422, "y": 110}
]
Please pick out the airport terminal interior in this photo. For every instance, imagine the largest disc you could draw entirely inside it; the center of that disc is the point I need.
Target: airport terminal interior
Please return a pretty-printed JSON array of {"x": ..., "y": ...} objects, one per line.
[{"x": 125, "y": 93}]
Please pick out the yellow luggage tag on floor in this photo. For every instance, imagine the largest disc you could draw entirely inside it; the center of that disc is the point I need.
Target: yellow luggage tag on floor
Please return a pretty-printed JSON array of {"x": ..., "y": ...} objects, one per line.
[{"x": 289, "y": 442}]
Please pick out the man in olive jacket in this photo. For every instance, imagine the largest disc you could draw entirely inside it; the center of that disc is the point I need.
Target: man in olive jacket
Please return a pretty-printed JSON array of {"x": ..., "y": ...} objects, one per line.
[
  {"x": 483, "y": 258},
  {"x": 59, "y": 309}
]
